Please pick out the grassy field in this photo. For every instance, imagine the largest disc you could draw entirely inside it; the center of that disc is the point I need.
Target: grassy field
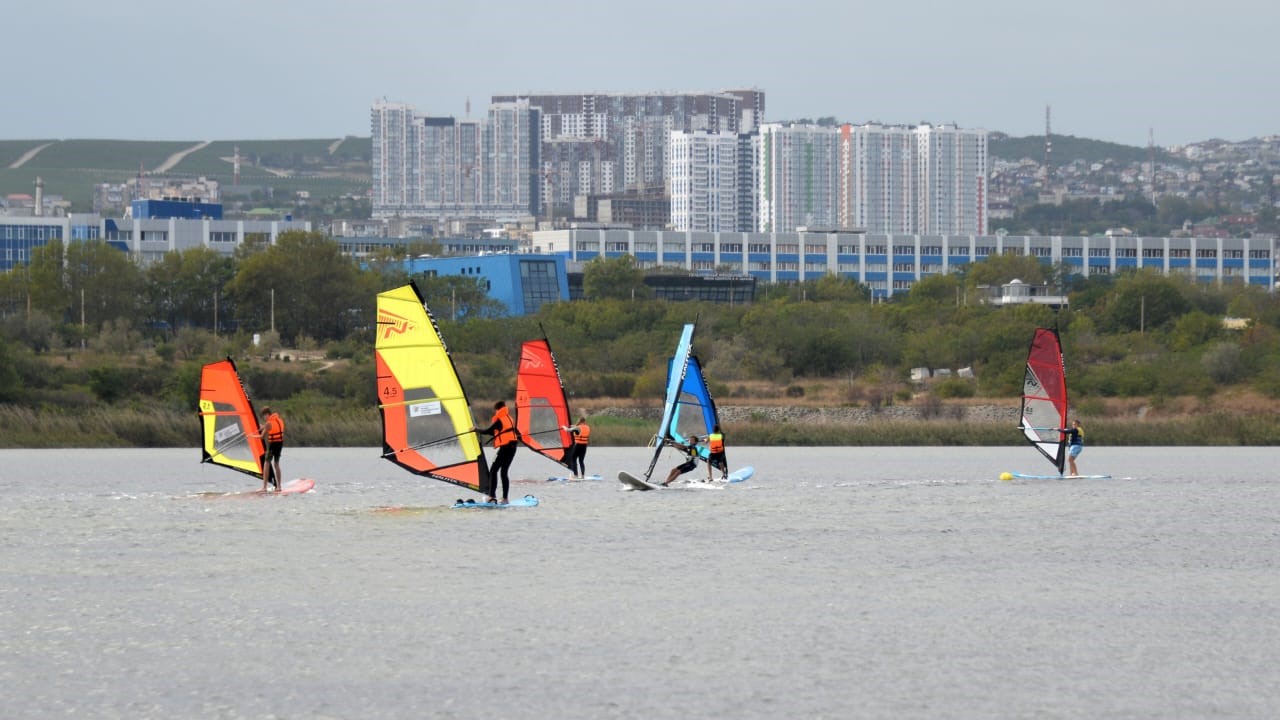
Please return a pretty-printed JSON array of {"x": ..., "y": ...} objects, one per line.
[{"x": 22, "y": 427}]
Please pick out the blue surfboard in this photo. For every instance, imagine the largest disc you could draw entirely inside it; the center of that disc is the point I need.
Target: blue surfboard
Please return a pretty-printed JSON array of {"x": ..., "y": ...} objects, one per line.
[{"x": 526, "y": 501}]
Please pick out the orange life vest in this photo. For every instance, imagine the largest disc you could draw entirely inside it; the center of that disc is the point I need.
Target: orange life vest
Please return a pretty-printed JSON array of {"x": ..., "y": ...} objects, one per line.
[
  {"x": 275, "y": 428},
  {"x": 506, "y": 432},
  {"x": 584, "y": 434},
  {"x": 715, "y": 443}
]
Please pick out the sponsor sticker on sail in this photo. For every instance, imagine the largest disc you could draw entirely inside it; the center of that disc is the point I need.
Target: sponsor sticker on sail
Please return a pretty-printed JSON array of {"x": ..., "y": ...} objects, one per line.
[{"x": 427, "y": 408}]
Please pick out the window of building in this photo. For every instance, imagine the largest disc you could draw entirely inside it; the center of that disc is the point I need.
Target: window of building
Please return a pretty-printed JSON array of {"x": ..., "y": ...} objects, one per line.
[
  {"x": 1180, "y": 253},
  {"x": 1152, "y": 252},
  {"x": 538, "y": 283},
  {"x": 1099, "y": 252},
  {"x": 1211, "y": 254}
]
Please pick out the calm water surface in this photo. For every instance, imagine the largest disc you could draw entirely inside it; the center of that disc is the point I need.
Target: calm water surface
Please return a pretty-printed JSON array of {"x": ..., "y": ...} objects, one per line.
[{"x": 838, "y": 583}]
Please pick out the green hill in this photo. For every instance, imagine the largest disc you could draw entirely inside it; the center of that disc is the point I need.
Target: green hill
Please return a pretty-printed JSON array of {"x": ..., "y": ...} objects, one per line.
[
  {"x": 1067, "y": 148},
  {"x": 71, "y": 168}
]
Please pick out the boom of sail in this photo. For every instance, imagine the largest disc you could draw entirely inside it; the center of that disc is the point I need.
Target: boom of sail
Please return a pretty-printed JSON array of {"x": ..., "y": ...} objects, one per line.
[{"x": 427, "y": 426}]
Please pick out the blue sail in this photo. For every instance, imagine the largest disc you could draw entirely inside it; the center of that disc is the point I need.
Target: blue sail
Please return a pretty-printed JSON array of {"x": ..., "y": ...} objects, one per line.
[
  {"x": 676, "y": 372},
  {"x": 695, "y": 410}
]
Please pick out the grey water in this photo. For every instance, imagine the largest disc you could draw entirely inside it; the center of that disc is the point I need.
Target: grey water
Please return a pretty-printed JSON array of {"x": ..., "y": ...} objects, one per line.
[{"x": 836, "y": 583}]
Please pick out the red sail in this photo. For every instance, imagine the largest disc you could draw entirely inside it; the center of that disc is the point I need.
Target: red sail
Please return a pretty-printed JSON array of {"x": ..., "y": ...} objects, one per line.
[
  {"x": 1044, "y": 397},
  {"x": 542, "y": 410}
]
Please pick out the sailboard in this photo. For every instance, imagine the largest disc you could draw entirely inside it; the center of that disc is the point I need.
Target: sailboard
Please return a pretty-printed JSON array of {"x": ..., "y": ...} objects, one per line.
[
  {"x": 542, "y": 406},
  {"x": 228, "y": 421},
  {"x": 1044, "y": 404},
  {"x": 688, "y": 407},
  {"x": 526, "y": 501},
  {"x": 427, "y": 426}
]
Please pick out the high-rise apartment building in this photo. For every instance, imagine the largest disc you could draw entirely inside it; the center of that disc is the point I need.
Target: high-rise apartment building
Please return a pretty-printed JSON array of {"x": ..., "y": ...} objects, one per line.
[
  {"x": 605, "y": 143},
  {"x": 799, "y": 183},
  {"x": 442, "y": 167},
  {"x": 702, "y": 181},
  {"x": 926, "y": 179},
  {"x": 951, "y": 177}
]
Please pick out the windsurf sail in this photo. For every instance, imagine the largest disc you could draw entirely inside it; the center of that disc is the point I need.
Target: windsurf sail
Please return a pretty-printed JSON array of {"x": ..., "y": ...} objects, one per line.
[
  {"x": 688, "y": 408},
  {"x": 542, "y": 408},
  {"x": 227, "y": 420},
  {"x": 1044, "y": 397},
  {"x": 427, "y": 426}
]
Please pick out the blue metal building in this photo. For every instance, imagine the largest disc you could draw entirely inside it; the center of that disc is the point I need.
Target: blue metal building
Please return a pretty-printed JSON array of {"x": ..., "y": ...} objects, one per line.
[{"x": 521, "y": 282}]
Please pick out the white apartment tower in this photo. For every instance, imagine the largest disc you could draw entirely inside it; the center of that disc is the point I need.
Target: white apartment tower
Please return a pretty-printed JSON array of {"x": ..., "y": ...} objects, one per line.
[
  {"x": 702, "y": 181},
  {"x": 951, "y": 177},
  {"x": 443, "y": 167},
  {"x": 799, "y": 183},
  {"x": 392, "y": 139}
]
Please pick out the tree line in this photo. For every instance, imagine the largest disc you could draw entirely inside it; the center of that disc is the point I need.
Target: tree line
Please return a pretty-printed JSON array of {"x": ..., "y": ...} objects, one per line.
[{"x": 82, "y": 323}]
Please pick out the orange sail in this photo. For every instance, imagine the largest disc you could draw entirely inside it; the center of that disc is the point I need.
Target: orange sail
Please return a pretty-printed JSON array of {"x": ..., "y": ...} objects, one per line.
[
  {"x": 227, "y": 420},
  {"x": 542, "y": 409}
]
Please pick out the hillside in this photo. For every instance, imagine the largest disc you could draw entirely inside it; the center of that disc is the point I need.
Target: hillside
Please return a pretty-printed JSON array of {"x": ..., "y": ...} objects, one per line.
[
  {"x": 1067, "y": 148},
  {"x": 71, "y": 168}
]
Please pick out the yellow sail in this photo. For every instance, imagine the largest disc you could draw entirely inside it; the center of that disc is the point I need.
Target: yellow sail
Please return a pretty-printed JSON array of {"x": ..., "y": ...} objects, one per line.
[{"x": 426, "y": 417}]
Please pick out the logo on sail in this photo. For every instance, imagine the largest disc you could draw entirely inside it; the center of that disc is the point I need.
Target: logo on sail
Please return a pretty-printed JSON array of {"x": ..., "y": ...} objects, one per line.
[{"x": 393, "y": 324}]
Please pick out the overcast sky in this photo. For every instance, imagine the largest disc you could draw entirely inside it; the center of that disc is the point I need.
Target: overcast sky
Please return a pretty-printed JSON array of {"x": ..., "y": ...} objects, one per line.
[{"x": 265, "y": 69}]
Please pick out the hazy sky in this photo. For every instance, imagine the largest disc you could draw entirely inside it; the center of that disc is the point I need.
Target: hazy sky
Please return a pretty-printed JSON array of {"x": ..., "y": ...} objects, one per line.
[{"x": 263, "y": 69}]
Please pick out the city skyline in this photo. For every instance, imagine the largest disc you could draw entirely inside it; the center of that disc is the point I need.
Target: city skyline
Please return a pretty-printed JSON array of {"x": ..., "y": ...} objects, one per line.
[{"x": 290, "y": 69}]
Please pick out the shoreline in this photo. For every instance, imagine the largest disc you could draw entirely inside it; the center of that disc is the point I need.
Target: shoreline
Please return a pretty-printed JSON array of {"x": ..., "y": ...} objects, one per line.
[{"x": 620, "y": 425}]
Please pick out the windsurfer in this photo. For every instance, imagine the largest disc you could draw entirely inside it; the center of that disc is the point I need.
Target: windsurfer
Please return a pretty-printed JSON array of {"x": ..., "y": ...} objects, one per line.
[
  {"x": 715, "y": 456},
  {"x": 578, "y": 453},
  {"x": 1075, "y": 444},
  {"x": 503, "y": 430},
  {"x": 273, "y": 429},
  {"x": 691, "y": 457}
]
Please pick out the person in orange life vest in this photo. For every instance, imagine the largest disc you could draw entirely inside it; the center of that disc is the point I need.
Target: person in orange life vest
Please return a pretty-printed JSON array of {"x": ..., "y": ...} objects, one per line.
[
  {"x": 715, "y": 457},
  {"x": 577, "y": 455},
  {"x": 690, "y": 458},
  {"x": 503, "y": 430},
  {"x": 273, "y": 429}
]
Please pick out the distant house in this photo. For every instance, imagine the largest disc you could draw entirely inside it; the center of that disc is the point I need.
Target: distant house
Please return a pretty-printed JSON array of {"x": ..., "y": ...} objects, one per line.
[{"x": 1016, "y": 292}]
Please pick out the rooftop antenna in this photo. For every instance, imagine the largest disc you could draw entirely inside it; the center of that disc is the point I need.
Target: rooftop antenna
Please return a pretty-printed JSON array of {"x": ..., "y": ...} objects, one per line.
[
  {"x": 1048, "y": 141},
  {"x": 1151, "y": 161}
]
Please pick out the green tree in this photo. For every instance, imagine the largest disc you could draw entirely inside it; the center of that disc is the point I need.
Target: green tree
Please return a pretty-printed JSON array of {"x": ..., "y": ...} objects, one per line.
[
  {"x": 103, "y": 283},
  {"x": 617, "y": 277},
  {"x": 304, "y": 286},
  {"x": 458, "y": 297},
  {"x": 183, "y": 288},
  {"x": 999, "y": 269},
  {"x": 1143, "y": 300}
]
